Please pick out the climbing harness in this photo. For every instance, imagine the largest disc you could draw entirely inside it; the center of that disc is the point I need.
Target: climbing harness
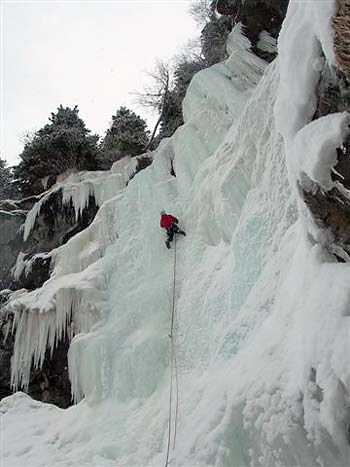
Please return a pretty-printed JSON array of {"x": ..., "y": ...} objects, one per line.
[{"x": 173, "y": 370}]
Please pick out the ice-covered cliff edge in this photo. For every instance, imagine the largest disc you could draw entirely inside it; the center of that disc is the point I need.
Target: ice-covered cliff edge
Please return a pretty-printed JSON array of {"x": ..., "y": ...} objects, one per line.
[{"x": 262, "y": 320}]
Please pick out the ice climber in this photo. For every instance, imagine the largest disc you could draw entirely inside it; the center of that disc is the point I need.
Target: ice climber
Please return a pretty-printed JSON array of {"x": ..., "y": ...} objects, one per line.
[{"x": 169, "y": 223}]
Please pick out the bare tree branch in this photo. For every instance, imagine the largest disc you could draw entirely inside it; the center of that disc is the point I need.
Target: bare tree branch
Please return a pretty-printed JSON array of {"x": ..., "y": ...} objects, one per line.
[{"x": 155, "y": 94}]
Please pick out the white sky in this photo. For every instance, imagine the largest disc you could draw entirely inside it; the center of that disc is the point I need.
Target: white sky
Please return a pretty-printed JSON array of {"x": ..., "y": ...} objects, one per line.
[{"x": 85, "y": 53}]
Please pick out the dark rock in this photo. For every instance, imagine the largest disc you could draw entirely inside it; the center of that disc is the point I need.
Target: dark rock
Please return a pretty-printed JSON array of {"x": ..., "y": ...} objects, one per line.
[
  {"x": 331, "y": 209},
  {"x": 341, "y": 28},
  {"x": 55, "y": 225},
  {"x": 142, "y": 163},
  {"x": 172, "y": 170},
  {"x": 51, "y": 383},
  {"x": 84, "y": 220},
  {"x": 214, "y": 39},
  {"x": 39, "y": 273},
  {"x": 228, "y": 7},
  {"x": 334, "y": 96},
  {"x": 333, "y": 92},
  {"x": 232, "y": 7},
  {"x": 6, "y": 350},
  {"x": 341, "y": 171},
  {"x": 256, "y": 16},
  {"x": 331, "y": 212},
  {"x": 11, "y": 241}
]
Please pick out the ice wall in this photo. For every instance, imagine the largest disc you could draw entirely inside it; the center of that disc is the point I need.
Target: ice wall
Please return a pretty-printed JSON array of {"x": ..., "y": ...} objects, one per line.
[
  {"x": 70, "y": 301},
  {"x": 262, "y": 322}
]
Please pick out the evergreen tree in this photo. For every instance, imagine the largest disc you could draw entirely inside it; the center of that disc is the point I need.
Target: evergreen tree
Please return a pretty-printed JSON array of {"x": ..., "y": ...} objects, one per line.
[
  {"x": 215, "y": 28},
  {"x": 214, "y": 38},
  {"x": 127, "y": 136},
  {"x": 63, "y": 144},
  {"x": 5, "y": 180},
  {"x": 202, "y": 11},
  {"x": 171, "y": 117}
]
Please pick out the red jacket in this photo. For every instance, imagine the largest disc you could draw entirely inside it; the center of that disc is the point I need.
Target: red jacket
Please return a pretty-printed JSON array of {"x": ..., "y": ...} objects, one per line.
[{"x": 167, "y": 221}]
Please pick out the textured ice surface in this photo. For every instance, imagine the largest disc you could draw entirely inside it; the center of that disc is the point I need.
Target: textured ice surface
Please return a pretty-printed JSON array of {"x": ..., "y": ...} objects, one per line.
[
  {"x": 262, "y": 320},
  {"x": 71, "y": 297}
]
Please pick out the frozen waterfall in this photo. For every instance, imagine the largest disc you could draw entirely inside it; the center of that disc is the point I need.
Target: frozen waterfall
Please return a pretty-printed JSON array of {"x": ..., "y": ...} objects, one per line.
[{"x": 262, "y": 316}]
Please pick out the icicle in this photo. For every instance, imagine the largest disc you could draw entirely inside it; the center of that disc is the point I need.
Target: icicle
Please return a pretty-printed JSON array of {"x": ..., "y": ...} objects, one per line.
[
  {"x": 38, "y": 330},
  {"x": 78, "y": 187},
  {"x": 34, "y": 212},
  {"x": 70, "y": 299}
]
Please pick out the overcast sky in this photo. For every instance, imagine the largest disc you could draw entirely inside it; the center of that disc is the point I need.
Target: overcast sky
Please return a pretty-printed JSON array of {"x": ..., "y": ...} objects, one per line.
[{"x": 85, "y": 53}]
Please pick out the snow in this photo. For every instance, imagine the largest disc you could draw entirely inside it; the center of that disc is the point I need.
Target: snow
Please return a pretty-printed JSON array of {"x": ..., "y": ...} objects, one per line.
[
  {"x": 305, "y": 41},
  {"x": 9, "y": 202},
  {"x": 12, "y": 213},
  {"x": 262, "y": 310},
  {"x": 319, "y": 140}
]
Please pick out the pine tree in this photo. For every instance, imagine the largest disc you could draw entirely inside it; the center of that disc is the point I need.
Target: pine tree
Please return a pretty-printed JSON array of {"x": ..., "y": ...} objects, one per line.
[
  {"x": 63, "y": 144},
  {"x": 127, "y": 136},
  {"x": 214, "y": 38},
  {"x": 5, "y": 180},
  {"x": 202, "y": 11}
]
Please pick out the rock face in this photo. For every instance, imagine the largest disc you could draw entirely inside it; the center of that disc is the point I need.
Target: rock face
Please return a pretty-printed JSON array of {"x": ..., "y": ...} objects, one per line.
[
  {"x": 6, "y": 346},
  {"x": 331, "y": 209},
  {"x": 341, "y": 26},
  {"x": 257, "y": 16},
  {"x": 55, "y": 225},
  {"x": 51, "y": 383},
  {"x": 12, "y": 216}
]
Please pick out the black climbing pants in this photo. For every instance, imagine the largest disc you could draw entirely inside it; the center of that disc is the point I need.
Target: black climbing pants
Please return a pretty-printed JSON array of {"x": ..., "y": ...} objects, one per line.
[{"x": 171, "y": 232}]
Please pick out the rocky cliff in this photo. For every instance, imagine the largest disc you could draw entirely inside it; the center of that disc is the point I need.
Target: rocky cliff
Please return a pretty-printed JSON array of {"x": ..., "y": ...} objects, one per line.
[
  {"x": 31, "y": 230},
  {"x": 262, "y": 21},
  {"x": 331, "y": 209},
  {"x": 26, "y": 265}
]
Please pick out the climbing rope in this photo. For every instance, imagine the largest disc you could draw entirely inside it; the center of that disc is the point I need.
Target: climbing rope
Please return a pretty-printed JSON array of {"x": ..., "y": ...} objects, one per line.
[{"x": 173, "y": 368}]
